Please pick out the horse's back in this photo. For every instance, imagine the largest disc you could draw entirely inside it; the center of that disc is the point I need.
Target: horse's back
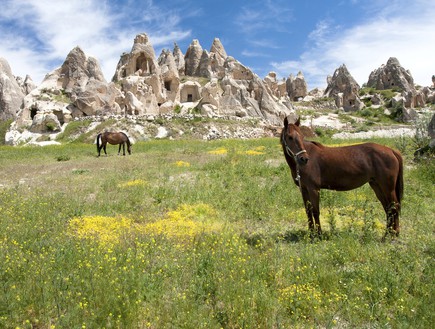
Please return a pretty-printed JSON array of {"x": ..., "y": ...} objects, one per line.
[
  {"x": 115, "y": 138},
  {"x": 349, "y": 167}
]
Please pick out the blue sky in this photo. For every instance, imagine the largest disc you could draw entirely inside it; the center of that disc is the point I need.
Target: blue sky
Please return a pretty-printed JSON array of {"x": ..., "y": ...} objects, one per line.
[{"x": 284, "y": 36}]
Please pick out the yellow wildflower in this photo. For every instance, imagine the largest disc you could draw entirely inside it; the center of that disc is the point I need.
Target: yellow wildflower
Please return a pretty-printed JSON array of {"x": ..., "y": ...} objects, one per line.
[
  {"x": 106, "y": 230},
  {"x": 182, "y": 164},
  {"x": 135, "y": 182},
  {"x": 219, "y": 151}
]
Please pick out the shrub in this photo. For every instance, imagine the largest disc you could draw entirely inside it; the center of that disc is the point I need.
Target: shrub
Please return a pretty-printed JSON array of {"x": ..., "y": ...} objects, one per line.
[
  {"x": 4, "y": 126},
  {"x": 63, "y": 157}
]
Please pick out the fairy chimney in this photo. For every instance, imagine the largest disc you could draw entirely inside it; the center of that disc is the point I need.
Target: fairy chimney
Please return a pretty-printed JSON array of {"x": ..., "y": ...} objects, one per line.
[
  {"x": 192, "y": 58},
  {"x": 344, "y": 89},
  {"x": 11, "y": 95}
]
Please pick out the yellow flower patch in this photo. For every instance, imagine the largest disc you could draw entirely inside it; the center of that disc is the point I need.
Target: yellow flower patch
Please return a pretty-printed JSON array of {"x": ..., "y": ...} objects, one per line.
[
  {"x": 256, "y": 151},
  {"x": 182, "y": 164},
  {"x": 136, "y": 182},
  {"x": 106, "y": 230},
  {"x": 305, "y": 298},
  {"x": 185, "y": 222},
  {"x": 253, "y": 152},
  {"x": 218, "y": 151}
]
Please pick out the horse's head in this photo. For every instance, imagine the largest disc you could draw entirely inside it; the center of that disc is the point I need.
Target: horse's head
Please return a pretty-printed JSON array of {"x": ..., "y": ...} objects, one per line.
[
  {"x": 128, "y": 146},
  {"x": 292, "y": 140}
]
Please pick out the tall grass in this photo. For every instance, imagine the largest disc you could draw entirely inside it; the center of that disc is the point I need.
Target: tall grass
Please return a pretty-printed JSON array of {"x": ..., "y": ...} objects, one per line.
[{"x": 194, "y": 234}]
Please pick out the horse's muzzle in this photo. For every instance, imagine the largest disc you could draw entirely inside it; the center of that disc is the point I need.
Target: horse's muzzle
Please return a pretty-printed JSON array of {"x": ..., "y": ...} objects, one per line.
[{"x": 302, "y": 160}]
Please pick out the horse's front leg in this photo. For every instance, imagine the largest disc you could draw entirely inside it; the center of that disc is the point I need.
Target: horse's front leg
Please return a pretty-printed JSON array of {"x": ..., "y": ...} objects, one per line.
[
  {"x": 119, "y": 149},
  {"x": 308, "y": 209},
  {"x": 311, "y": 201}
]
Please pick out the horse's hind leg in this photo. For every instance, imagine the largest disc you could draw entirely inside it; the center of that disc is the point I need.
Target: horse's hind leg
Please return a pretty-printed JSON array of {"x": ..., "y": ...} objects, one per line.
[{"x": 390, "y": 204}]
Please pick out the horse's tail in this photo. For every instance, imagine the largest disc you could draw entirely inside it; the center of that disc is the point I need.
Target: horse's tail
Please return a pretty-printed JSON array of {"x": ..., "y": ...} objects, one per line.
[
  {"x": 399, "y": 179},
  {"x": 98, "y": 141}
]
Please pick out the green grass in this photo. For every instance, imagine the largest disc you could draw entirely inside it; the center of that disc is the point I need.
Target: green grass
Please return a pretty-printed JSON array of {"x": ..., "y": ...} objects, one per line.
[{"x": 202, "y": 234}]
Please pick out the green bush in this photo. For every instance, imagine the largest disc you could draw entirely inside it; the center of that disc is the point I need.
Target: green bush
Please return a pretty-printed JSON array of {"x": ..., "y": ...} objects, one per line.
[{"x": 4, "y": 127}]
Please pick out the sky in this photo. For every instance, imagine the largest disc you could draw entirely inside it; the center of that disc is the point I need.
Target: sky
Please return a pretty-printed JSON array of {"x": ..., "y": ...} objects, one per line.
[{"x": 283, "y": 36}]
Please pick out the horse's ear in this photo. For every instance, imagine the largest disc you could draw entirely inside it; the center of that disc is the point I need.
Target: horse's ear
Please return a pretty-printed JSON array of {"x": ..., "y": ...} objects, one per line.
[
  {"x": 298, "y": 121},
  {"x": 285, "y": 122}
]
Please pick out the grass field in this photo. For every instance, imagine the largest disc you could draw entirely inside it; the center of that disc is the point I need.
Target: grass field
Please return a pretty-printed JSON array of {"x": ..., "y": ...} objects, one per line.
[{"x": 195, "y": 234}]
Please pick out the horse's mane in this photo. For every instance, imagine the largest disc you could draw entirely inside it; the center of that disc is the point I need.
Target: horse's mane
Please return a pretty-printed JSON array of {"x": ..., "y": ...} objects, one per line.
[{"x": 316, "y": 143}]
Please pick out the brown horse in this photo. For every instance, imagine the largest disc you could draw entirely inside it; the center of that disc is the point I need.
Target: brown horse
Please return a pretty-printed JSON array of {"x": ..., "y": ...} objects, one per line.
[
  {"x": 113, "y": 138},
  {"x": 315, "y": 166}
]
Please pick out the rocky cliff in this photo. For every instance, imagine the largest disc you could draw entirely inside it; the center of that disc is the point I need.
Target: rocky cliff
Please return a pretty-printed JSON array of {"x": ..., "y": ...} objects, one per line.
[{"x": 11, "y": 94}]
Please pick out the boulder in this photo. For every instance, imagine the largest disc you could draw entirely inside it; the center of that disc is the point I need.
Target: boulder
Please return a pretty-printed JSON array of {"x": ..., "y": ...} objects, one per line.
[
  {"x": 45, "y": 123},
  {"x": 96, "y": 98},
  {"x": 132, "y": 105}
]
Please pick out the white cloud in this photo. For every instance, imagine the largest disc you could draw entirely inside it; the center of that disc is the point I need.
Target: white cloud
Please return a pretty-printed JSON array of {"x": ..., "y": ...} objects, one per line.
[
  {"x": 48, "y": 30},
  {"x": 367, "y": 46}
]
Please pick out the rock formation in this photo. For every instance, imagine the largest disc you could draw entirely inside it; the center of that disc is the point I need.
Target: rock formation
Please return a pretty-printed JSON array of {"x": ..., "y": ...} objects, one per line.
[
  {"x": 344, "y": 89},
  {"x": 394, "y": 76},
  {"x": 390, "y": 76},
  {"x": 192, "y": 58},
  {"x": 11, "y": 94},
  {"x": 75, "y": 89},
  {"x": 179, "y": 59},
  {"x": 207, "y": 82},
  {"x": 26, "y": 85},
  {"x": 213, "y": 82},
  {"x": 275, "y": 87},
  {"x": 296, "y": 87}
]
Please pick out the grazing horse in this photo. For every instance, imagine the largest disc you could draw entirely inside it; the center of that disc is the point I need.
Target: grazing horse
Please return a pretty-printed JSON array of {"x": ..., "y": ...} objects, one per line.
[
  {"x": 315, "y": 166},
  {"x": 113, "y": 138}
]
